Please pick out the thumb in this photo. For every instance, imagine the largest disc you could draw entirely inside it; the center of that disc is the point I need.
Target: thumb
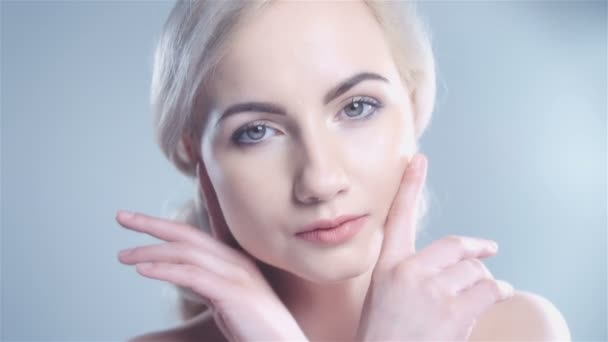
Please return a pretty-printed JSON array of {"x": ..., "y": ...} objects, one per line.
[{"x": 400, "y": 227}]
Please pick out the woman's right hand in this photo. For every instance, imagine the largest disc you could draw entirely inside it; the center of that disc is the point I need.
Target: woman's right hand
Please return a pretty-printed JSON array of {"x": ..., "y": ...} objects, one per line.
[
  {"x": 244, "y": 305},
  {"x": 433, "y": 294}
]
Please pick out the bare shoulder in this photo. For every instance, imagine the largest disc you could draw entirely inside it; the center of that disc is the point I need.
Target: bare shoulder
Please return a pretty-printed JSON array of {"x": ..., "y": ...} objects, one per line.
[
  {"x": 200, "y": 329},
  {"x": 524, "y": 317}
]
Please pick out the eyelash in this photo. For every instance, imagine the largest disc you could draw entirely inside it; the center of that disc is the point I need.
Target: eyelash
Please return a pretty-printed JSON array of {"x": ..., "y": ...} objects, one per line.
[{"x": 375, "y": 104}]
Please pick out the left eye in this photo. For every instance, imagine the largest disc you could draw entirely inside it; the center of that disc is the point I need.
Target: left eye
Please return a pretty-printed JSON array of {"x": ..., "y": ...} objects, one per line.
[
  {"x": 361, "y": 105},
  {"x": 254, "y": 132}
]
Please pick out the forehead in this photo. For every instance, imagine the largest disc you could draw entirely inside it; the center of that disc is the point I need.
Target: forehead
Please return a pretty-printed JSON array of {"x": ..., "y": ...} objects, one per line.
[{"x": 288, "y": 46}]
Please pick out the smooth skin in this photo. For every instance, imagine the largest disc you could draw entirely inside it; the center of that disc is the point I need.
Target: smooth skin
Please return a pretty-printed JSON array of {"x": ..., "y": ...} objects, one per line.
[
  {"x": 445, "y": 286},
  {"x": 246, "y": 308},
  {"x": 348, "y": 155}
]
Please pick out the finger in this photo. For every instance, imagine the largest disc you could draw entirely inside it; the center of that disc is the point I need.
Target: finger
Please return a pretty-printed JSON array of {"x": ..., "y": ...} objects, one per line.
[
  {"x": 452, "y": 249},
  {"x": 463, "y": 275},
  {"x": 400, "y": 227},
  {"x": 161, "y": 228},
  {"x": 478, "y": 298},
  {"x": 205, "y": 283},
  {"x": 218, "y": 226},
  {"x": 172, "y": 231},
  {"x": 221, "y": 323},
  {"x": 178, "y": 253}
]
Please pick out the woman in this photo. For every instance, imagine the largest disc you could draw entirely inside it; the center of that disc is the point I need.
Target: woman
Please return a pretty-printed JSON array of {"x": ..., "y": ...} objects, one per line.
[{"x": 300, "y": 122}]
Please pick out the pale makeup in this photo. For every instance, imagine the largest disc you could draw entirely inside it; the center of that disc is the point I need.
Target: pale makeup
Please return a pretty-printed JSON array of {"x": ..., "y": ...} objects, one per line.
[{"x": 315, "y": 160}]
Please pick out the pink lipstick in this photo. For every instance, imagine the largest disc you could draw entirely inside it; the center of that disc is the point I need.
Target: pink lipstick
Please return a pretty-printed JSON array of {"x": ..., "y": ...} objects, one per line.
[{"x": 333, "y": 232}]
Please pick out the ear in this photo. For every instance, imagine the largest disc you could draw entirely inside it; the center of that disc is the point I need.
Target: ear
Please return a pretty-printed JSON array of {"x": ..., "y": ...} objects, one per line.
[{"x": 190, "y": 150}]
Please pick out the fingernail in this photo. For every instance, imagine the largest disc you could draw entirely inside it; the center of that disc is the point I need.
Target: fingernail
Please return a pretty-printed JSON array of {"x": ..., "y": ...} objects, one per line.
[
  {"x": 493, "y": 246},
  {"x": 416, "y": 162},
  {"x": 125, "y": 252},
  {"x": 505, "y": 288},
  {"x": 124, "y": 213}
]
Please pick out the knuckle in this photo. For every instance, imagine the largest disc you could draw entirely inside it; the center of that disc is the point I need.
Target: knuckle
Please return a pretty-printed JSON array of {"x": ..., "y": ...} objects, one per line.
[
  {"x": 435, "y": 289},
  {"x": 449, "y": 312},
  {"x": 139, "y": 218},
  {"x": 183, "y": 247},
  {"x": 401, "y": 274},
  {"x": 189, "y": 253},
  {"x": 250, "y": 266},
  {"x": 135, "y": 252},
  {"x": 191, "y": 270},
  {"x": 191, "y": 275},
  {"x": 412, "y": 264},
  {"x": 241, "y": 276},
  {"x": 475, "y": 265},
  {"x": 380, "y": 273},
  {"x": 455, "y": 241},
  {"x": 408, "y": 271},
  {"x": 491, "y": 286},
  {"x": 482, "y": 269},
  {"x": 494, "y": 288},
  {"x": 478, "y": 268},
  {"x": 196, "y": 231}
]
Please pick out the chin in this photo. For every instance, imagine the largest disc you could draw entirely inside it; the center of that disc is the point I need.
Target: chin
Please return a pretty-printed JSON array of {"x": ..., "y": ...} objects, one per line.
[
  {"x": 324, "y": 265},
  {"x": 339, "y": 264},
  {"x": 340, "y": 275}
]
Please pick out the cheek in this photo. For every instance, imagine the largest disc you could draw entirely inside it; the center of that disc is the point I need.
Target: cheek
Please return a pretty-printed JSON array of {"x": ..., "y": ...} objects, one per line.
[
  {"x": 379, "y": 158},
  {"x": 389, "y": 135},
  {"x": 378, "y": 147},
  {"x": 250, "y": 201}
]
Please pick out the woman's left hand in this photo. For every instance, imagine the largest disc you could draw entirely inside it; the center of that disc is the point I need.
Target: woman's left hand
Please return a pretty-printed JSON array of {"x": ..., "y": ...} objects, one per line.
[{"x": 243, "y": 303}]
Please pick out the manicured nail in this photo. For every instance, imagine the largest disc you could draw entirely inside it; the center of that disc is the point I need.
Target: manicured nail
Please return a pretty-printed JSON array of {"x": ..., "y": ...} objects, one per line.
[
  {"x": 416, "y": 162},
  {"x": 125, "y": 252},
  {"x": 124, "y": 213},
  {"x": 506, "y": 288},
  {"x": 493, "y": 246}
]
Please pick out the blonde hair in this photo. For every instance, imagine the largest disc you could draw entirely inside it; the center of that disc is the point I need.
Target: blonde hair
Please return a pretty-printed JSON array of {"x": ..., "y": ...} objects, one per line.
[{"x": 191, "y": 44}]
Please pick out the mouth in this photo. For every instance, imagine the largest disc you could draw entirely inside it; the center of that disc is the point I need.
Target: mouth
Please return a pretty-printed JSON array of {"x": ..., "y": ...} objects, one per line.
[{"x": 332, "y": 232}]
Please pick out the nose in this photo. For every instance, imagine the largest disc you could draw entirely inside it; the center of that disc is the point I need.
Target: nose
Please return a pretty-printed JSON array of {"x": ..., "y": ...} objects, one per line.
[{"x": 320, "y": 172}]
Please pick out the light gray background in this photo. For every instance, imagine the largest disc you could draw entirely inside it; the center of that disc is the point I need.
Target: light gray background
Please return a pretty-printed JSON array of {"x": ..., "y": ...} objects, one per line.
[{"x": 517, "y": 153}]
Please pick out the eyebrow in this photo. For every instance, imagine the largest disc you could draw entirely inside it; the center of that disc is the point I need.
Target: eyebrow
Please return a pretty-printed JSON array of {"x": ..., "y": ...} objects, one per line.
[{"x": 272, "y": 108}]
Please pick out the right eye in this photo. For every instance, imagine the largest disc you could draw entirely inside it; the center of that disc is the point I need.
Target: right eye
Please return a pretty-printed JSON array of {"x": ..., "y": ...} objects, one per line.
[{"x": 254, "y": 131}]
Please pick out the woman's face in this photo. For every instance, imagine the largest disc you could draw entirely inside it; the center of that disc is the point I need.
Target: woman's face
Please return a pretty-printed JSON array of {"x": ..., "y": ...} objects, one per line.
[{"x": 309, "y": 140}]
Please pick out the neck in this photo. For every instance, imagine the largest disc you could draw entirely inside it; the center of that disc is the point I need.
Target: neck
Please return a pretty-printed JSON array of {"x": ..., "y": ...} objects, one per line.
[{"x": 325, "y": 312}]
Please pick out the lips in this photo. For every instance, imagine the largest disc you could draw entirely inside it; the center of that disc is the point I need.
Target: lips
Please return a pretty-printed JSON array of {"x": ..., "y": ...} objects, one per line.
[
  {"x": 333, "y": 236},
  {"x": 327, "y": 223}
]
